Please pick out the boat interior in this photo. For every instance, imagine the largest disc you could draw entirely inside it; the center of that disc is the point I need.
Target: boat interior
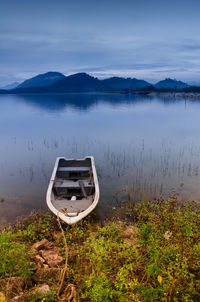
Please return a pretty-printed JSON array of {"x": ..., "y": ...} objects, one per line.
[{"x": 73, "y": 189}]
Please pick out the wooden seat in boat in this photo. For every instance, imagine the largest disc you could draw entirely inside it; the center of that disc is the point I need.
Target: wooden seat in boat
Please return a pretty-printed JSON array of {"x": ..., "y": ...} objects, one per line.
[
  {"x": 73, "y": 188},
  {"x": 71, "y": 184},
  {"x": 74, "y": 169}
]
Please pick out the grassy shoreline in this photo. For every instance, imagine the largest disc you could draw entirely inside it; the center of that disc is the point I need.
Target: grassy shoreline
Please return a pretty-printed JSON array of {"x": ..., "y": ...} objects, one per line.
[{"x": 148, "y": 251}]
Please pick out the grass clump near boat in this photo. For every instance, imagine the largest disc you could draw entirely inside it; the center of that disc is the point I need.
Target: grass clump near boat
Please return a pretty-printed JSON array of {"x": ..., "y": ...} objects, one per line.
[
  {"x": 148, "y": 252},
  {"x": 15, "y": 258}
]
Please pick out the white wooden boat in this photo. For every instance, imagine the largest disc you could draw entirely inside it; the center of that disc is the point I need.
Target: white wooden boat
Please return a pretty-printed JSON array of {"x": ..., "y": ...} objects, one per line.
[{"x": 73, "y": 191}]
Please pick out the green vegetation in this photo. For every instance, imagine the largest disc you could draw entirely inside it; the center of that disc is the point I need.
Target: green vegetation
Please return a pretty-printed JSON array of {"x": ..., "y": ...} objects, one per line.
[
  {"x": 50, "y": 297},
  {"x": 15, "y": 257},
  {"x": 36, "y": 227},
  {"x": 149, "y": 252}
]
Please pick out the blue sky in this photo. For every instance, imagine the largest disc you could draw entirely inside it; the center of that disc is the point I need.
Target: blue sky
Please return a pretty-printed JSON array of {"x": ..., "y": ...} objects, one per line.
[{"x": 143, "y": 39}]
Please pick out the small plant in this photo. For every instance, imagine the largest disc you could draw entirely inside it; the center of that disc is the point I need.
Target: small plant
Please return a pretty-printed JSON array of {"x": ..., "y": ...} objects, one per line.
[
  {"x": 15, "y": 257},
  {"x": 99, "y": 289},
  {"x": 38, "y": 230},
  {"x": 110, "y": 231},
  {"x": 49, "y": 297}
]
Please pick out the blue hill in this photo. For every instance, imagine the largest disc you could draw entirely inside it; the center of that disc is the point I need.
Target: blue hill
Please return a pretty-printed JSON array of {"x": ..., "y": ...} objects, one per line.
[
  {"x": 171, "y": 84},
  {"x": 42, "y": 80}
]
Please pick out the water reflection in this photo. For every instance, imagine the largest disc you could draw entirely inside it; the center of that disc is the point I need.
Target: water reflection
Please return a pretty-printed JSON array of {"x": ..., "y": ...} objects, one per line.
[
  {"x": 143, "y": 147},
  {"x": 84, "y": 101}
]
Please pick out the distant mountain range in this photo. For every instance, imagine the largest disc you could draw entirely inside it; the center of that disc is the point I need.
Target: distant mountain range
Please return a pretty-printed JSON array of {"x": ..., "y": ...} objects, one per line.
[{"x": 55, "y": 82}]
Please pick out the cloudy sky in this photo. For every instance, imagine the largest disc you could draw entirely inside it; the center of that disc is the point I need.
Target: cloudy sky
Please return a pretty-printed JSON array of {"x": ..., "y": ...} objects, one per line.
[{"x": 149, "y": 39}]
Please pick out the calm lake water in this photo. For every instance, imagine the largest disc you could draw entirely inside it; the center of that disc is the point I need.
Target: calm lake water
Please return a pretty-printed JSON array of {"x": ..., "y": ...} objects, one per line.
[{"x": 143, "y": 147}]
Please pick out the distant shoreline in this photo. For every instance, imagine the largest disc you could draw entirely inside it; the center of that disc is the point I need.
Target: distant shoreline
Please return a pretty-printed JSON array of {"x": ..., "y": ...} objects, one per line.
[
  {"x": 187, "y": 95},
  {"x": 139, "y": 93},
  {"x": 156, "y": 93}
]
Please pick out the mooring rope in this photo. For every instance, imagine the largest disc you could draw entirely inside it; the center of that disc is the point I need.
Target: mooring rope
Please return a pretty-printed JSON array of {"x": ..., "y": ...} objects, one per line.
[{"x": 69, "y": 292}]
